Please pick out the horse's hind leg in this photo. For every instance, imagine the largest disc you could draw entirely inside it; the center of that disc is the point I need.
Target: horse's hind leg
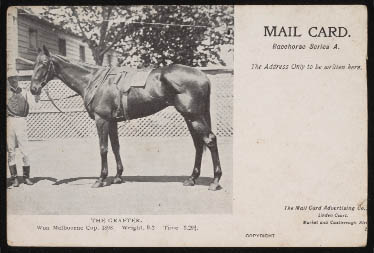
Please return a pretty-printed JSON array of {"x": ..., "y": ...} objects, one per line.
[
  {"x": 199, "y": 145},
  {"x": 102, "y": 126},
  {"x": 211, "y": 141},
  {"x": 201, "y": 126},
  {"x": 113, "y": 135}
]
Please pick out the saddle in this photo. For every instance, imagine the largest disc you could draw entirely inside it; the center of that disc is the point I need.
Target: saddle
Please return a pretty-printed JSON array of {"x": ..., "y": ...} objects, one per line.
[{"x": 123, "y": 78}]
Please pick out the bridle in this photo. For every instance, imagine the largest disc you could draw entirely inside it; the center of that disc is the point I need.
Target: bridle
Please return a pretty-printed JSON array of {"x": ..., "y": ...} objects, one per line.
[
  {"x": 49, "y": 74},
  {"x": 47, "y": 77}
]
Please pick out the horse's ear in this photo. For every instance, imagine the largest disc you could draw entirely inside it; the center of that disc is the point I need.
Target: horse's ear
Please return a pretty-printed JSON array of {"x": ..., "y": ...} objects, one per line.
[
  {"x": 45, "y": 51},
  {"x": 39, "y": 50}
]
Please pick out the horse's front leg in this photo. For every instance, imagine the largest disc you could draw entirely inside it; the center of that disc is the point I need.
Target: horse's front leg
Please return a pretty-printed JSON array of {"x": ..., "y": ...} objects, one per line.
[
  {"x": 102, "y": 131},
  {"x": 113, "y": 135}
]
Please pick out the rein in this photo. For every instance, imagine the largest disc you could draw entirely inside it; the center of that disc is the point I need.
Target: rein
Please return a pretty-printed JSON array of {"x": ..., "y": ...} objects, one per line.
[
  {"x": 51, "y": 68},
  {"x": 52, "y": 100},
  {"x": 57, "y": 99}
]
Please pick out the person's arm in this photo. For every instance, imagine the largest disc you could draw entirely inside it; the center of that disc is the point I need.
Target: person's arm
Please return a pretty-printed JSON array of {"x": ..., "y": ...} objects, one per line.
[{"x": 31, "y": 100}]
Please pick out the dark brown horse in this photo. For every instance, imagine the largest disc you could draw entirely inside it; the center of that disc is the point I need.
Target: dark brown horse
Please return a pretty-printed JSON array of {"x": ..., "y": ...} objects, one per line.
[{"x": 185, "y": 88}]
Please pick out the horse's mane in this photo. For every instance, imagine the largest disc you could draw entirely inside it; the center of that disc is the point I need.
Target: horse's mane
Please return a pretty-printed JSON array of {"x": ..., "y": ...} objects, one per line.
[{"x": 85, "y": 65}]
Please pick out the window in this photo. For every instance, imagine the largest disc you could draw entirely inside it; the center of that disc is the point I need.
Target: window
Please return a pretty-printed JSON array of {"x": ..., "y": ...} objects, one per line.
[
  {"x": 33, "y": 38},
  {"x": 109, "y": 57},
  {"x": 62, "y": 47},
  {"x": 82, "y": 53}
]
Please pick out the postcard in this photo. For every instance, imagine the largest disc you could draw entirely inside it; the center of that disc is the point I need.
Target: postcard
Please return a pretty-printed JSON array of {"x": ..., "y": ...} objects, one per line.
[{"x": 226, "y": 126}]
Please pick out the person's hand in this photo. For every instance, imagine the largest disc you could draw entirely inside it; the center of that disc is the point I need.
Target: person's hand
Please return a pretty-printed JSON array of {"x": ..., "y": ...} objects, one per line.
[{"x": 37, "y": 98}]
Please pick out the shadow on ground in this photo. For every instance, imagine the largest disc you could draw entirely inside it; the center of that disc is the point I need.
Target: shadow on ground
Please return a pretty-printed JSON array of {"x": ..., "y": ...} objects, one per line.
[
  {"x": 151, "y": 179},
  {"x": 34, "y": 179}
]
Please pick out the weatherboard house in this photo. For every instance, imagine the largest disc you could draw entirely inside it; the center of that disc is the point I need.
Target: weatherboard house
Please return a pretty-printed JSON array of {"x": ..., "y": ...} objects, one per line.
[{"x": 26, "y": 32}]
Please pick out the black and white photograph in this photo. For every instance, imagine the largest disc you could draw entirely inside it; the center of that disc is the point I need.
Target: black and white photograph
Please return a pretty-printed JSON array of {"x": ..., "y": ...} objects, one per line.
[
  {"x": 120, "y": 110},
  {"x": 187, "y": 126}
]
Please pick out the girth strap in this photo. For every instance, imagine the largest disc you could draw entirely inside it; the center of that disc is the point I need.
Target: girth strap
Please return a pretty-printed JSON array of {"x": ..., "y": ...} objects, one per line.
[
  {"x": 124, "y": 79},
  {"x": 124, "y": 105}
]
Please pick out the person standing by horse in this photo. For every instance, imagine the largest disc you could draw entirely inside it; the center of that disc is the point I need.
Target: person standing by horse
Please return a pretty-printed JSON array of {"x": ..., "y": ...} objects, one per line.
[{"x": 17, "y": 111}]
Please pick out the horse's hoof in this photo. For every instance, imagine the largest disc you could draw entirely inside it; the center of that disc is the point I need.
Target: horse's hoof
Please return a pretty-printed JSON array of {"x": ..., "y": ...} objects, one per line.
[
  {"x": 97, "y": 184},
  {"x": 214, "y": 187},
  {"x": 106, "y": 183},
  {"x": 189, "y": 182},
  {"x": 117, "y": 180}
]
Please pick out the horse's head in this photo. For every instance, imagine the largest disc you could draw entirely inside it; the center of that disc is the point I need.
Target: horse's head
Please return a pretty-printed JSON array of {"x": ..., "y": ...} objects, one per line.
[{"x": 44, "y": 71}]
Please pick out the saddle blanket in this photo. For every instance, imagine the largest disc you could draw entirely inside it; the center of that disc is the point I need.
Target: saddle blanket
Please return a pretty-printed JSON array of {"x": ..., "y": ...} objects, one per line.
[
  {"x": 126, "y": 77},
  {"x": 123, "y": 77}
]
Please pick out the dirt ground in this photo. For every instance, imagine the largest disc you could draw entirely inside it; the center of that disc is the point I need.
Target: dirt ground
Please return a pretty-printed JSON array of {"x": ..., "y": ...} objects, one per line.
[{"x": 154, "y": 171}]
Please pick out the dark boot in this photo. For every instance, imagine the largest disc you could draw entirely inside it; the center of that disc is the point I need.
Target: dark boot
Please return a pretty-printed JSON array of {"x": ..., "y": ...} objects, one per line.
[
  {"x": 26, "y": 175},
  {"x": 13, "y": 173}
]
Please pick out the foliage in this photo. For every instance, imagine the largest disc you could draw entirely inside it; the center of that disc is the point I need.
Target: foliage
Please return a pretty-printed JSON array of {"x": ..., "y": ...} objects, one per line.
[{"x": 124, "y": 29}]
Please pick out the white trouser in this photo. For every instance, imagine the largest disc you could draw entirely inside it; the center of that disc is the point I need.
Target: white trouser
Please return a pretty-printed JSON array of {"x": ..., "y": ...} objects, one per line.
[{"x": 17, "y": 138}]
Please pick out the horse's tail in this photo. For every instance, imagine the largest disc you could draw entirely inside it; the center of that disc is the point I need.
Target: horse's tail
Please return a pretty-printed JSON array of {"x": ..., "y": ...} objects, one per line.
[
  {"x": 207, "y": 108},
  {"x": 175, "y": 78},
  {"x": 207, "y": 116}
]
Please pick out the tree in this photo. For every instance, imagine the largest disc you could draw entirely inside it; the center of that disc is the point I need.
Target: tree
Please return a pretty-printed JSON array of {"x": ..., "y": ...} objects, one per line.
[{"x": 140, "y": 34}]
